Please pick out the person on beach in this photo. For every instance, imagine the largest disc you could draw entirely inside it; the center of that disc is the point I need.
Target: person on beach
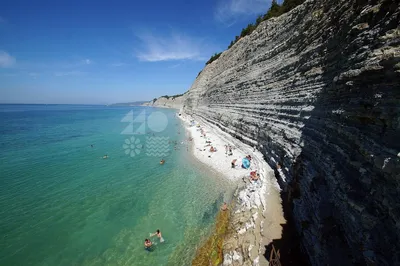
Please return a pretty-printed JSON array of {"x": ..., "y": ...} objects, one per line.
[
  {"x": 147, "y": 244},
  {"x": 158, "y": 234},
  {"x": 233, "y": 163},
  {"x": 253, "y": 174},
  {"x": 224, "y": 207},
  {"x": 226, "y": 149},
  {"x": 254, "y": 177},
  {"x": 230, "y": 150}
]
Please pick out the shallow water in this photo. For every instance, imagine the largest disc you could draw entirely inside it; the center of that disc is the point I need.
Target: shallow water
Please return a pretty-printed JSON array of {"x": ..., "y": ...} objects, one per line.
[{"x": 62, "y": 204}]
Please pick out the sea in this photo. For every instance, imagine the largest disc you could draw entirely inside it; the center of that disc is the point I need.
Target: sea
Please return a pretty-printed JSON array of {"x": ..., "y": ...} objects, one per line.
[{"x": 83, "y": 185}]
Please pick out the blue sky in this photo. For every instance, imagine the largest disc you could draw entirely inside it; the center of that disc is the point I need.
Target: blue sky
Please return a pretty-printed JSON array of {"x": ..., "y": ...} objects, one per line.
[{"x": 99, "y": 52}]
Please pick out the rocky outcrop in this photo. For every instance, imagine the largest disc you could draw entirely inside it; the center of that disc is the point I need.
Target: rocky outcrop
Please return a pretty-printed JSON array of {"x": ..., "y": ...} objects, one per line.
[
  {"x": 174, "y": 102},
  {"x": 317, "y": 90}
]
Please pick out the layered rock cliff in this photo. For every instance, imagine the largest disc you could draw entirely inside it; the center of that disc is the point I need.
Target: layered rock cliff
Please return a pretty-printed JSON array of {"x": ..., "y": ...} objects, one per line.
[
  {"x": 174, "y": 102},
  {"x": 317, "y": 90}
]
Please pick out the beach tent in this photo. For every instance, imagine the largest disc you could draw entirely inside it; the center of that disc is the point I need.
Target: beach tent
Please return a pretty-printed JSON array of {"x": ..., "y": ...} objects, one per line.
[{"x": 245, "y": 163}]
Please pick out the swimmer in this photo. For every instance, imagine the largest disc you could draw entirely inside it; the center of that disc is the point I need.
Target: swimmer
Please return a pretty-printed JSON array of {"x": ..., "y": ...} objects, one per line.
[
  {"x": 158, "y": 234},
  {"x": 147, "y": 244},
  {"x": 105, "y": 156},
  {"x": 162, "y": 161}
]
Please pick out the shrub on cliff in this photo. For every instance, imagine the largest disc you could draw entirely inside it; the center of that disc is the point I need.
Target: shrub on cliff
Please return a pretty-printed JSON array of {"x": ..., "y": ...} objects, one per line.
[
  {"x": 288, "y": 5},
  {"x": 274, "y": 11},
  {"x": 248, "y": 30},
  {"x": 213, "y": 58},
  {"x": 177, "y": 95},
  {"x": 172, "y": 97}
]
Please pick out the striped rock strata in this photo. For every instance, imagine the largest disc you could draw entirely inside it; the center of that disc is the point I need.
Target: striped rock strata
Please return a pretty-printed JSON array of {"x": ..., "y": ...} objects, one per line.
[{"x": 317, "y": 90}]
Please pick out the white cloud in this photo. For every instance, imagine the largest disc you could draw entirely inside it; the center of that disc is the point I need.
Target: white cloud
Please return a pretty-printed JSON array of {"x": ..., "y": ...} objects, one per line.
[
  {"x": 51, "y": 65},
  {"x": 6, "y": 60},
  {"x": 229, "y": 11},
  {"x": 68, "y": 73},
  {"x": 173, "y": 47}
]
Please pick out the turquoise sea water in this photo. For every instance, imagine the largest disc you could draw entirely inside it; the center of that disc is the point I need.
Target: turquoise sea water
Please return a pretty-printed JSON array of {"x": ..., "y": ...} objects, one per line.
[{"x": 62, "y": 204}]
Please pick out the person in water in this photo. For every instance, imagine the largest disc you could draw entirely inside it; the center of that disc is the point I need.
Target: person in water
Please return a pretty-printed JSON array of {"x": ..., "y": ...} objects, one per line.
[
  {"x": 224, "y": 207},
  {"x": 162, "y": 161},
  {"x": 158, "y": 234},
  {"x": 147, "y": 244},
  {"x": 105, "y": 156}
]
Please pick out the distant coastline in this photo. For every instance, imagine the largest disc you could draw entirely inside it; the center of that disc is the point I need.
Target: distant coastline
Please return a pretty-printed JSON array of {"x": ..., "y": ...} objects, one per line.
[
  {"x": 173, "y": 102},
  {"x": 137, "y": 103}
]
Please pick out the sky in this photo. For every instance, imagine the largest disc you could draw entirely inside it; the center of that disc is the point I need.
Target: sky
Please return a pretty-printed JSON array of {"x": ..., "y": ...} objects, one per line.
[{"x": 102, "y": 52}]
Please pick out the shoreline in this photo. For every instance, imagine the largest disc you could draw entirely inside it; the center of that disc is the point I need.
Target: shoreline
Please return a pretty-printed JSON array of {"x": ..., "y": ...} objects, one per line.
[{"x": 257, "y": 218}]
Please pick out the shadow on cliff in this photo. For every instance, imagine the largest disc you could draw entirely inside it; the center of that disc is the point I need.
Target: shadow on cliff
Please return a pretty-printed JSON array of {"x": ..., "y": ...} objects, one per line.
[
  {"x": 344, "y": 185},
  {"x": 289, "y": 245}
]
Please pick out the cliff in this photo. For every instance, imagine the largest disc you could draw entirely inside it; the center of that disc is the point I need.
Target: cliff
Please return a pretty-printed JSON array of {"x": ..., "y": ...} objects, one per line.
[
  {"x": 174, "y": 102},
  {"x": 317, "y": 90}
]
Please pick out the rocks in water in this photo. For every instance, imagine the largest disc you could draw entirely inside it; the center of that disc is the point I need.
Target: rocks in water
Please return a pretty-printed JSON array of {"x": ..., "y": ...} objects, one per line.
[
  {"x": 317, "y": 90},
  {"x": 232, "y": 258},
  {"x": 213, "y": 209}
]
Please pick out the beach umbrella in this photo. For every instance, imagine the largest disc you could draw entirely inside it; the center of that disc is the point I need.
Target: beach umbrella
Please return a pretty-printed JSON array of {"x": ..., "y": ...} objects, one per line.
[{"x": 245, "y": 163}]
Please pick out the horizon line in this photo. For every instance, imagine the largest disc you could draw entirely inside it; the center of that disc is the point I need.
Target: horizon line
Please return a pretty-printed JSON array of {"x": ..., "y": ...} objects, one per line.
[{"x": 69, "y": 103}]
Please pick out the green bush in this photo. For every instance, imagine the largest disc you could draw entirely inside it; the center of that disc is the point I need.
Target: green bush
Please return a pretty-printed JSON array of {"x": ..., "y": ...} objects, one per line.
[
  {"x": 172, "y": 97},
  {"x": 177, "y": 95},
  {"x": 274, "y": 11},
  {"x": 213, "y": 58}
]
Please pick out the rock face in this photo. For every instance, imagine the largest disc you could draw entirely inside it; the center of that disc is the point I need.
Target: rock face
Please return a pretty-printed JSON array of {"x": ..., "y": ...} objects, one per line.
[
  {"x": 170, "y": 102},
  {"x": 317, "y": 90}
]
